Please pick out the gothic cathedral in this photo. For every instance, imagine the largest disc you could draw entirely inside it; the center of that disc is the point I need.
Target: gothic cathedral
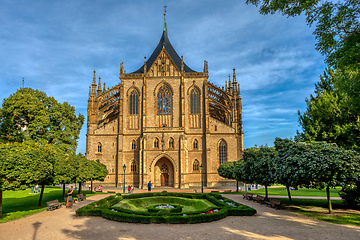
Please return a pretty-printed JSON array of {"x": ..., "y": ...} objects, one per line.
[{"x": 164, "y": 123}]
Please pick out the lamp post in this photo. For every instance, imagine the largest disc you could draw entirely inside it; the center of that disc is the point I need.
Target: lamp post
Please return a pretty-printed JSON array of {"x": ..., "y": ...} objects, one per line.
[
  {"x": 202, "y": 183},
  {"x": 124, "y": 167}
]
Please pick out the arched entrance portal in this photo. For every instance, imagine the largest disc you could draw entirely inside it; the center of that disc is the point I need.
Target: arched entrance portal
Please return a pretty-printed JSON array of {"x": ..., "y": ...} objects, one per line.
[{"x": 164, "y": 173}]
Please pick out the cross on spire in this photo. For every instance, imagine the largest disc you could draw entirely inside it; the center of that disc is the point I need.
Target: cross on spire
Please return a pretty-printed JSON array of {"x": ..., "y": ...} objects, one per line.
[{"x": 165, "y": 28}]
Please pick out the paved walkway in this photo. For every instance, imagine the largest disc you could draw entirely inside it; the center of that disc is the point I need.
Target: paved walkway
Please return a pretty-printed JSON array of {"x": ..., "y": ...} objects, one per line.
[{"x": 267, "y": 224}]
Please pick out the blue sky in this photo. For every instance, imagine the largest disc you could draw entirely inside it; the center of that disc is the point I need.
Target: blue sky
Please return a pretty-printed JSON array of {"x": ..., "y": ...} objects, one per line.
[{"x": 56, "y": 45}]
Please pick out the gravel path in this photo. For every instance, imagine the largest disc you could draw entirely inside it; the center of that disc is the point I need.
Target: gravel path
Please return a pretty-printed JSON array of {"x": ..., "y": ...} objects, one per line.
[{"x": 267, "y": 224}]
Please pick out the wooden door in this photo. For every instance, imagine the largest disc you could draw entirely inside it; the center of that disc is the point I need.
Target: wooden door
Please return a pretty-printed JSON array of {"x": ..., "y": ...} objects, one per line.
[{"x": 164, "y": 179}]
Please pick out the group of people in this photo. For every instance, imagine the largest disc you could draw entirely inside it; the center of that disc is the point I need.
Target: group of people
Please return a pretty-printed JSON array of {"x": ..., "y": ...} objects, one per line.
[
  {"x": 35, "y": 189},
  {"x": 99, "y": 188}
]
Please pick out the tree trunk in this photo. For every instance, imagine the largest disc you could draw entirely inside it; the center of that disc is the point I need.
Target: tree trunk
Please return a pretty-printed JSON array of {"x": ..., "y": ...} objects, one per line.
[
  {"x": 41, "y": 194},
  {"x": 91, "y": 186},
  {"x": 237, "y": 186},
  {"x": 266, "y": 192},
  {"x": 288, "y": 190},
  {"x": 79, "y": 188},
  {"x": 63, "y": 190},
  {"x": 1, "y": 203},
  {"x": 328, "y": 199}
]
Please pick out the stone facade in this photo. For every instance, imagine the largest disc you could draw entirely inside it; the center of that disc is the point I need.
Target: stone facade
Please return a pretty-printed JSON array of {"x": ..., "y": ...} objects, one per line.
[{"x": 163, "y": 122}]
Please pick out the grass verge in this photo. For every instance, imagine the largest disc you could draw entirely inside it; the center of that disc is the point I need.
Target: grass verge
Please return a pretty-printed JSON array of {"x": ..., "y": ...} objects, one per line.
[
  {"x": 19, "y": 204},
  {"x": 281, "y": 191},
  {"x": 317, "y": 208}
]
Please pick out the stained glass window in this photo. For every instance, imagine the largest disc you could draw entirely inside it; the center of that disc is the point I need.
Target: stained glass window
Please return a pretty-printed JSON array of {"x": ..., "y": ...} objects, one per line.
[
  {"x": 134, "y": 101},
  {"x": 164, "y": 101},
  {"x": 222, "y": 152},
  {"x": 194, "y": 101}
]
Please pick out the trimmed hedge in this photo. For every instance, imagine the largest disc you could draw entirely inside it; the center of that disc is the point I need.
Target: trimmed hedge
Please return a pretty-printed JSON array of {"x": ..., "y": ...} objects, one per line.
[{"x": 106, "y": 209}]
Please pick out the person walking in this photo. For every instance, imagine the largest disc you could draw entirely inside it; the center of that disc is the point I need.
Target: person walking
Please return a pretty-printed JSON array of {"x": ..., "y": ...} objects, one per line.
[
  {"x": 149, "y": 186},
  {"x": 69, "y": 199},
  {"x": 37, "y": 188},
  {"x": 89, "y": 187}
]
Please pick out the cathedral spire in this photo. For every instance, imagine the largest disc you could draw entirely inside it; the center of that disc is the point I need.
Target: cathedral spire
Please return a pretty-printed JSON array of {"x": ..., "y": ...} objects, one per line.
[
  {"x": 94, "y": 78},
  {"x": 99, "y": 86},
  {"x": 165, "y": 28}
]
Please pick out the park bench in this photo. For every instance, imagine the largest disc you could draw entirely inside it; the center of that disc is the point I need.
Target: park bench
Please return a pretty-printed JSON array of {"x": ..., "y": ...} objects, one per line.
[
  {"x": 53, "y": 205},
  {"x": 227, "y": 190},
  {"x": 260, "y": 199},
  {"x": 215, "y": 191},
  {"x": 275, "y": 203},
  {"x": 80, "y": 197},
  {"x": 110, "y": 191},
  {"x": 248, "y": 196}
]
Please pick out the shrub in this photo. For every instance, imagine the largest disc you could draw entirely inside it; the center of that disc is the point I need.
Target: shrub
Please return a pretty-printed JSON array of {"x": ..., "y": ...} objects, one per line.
[{"x": 106, "y": 209}]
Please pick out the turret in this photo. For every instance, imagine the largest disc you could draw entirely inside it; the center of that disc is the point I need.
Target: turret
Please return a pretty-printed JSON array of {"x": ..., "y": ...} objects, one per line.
[
  {"x": 144, "y": 65},
  {"x": 99, "y": 87},
  {"x": 93, "y": 86},
  {"x": 206, "y": 68}
]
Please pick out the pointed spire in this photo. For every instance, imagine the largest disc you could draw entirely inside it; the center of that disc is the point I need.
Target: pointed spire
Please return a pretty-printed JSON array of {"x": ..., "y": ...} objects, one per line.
[
  {"x": 165, "y": 28},
  {"x": 234, "y": 76},
  {"x": 226, "y": 87},
  {"x": 89, "y": 92},
  {"x": 182, "y": 64},
  {"x": 206, "y": 67},
  {"x": 104, "y": 87},
  {"x": 94, "y": 78},
  {"x": 144, "y": 65},
  {"x": 99, "y": 86}
]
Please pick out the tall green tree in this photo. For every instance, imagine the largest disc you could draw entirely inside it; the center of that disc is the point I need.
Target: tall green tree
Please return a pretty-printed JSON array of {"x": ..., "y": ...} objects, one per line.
[
  {"x": 332, "y": 115},
  {"x": 30, "y": 114},
  {"x": 259, "y": 166},
  {"x": 290, "y": 171},
  {"x": 326, "y": 165},
  {"x": 25, "y": 164},
  {"x": 66, "y": 169},
  {"x": 337, "y": 28}
]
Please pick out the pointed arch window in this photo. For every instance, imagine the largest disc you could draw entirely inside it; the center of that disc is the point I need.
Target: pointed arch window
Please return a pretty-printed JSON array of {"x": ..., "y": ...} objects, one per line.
[
  {"x": 194, "y": 101},
  {"x": 133, "y": 166},
  {"x": 171, "y": 143},
  {"x": 222, "y": 152},
  {"x": 133, "y": 145},
  {"x": 195, "y": 144},
  {"x": 196, "y": 165},
  {"x": 156, "y": 143},
  {"x": 164, "y": 101},
  {"x": 134, "y": 102},
  {"x": 99, "y": 147}
]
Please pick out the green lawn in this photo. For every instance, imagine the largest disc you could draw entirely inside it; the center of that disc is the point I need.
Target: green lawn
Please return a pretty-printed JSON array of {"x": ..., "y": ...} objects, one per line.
[
  {"x": 318, "y": 208},
  {"x": 18, "y": 204},
  {"x": 281, "y": 191},
  {"x": 190, "y": 205}
]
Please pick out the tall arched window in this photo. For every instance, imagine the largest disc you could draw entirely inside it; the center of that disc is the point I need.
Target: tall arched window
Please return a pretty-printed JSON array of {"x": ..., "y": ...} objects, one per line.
[
  {"x": 156, "y": 143},
  {"x": 134, "y": 101},
  {"x": 164, "y": 101},
  {"x": 99, "y": 147},
  {"x": 194, "y": 101},
  {"x": 133, "y": 166},
  {"x": 195, "y": 144},
  {"x": 171, "y": 143},
  {"x": 222, "y": 152},
  {"x": 133, "y": 145},
  {"x": 196, "y": 165}
]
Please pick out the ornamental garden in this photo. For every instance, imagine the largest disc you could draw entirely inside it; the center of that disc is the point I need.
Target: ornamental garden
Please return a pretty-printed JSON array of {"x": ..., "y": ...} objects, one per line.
[{"x": 165, "y": 207}]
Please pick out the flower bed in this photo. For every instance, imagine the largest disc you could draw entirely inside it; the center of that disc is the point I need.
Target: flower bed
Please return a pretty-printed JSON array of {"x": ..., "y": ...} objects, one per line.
[{"x": 219, "y": 208}]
